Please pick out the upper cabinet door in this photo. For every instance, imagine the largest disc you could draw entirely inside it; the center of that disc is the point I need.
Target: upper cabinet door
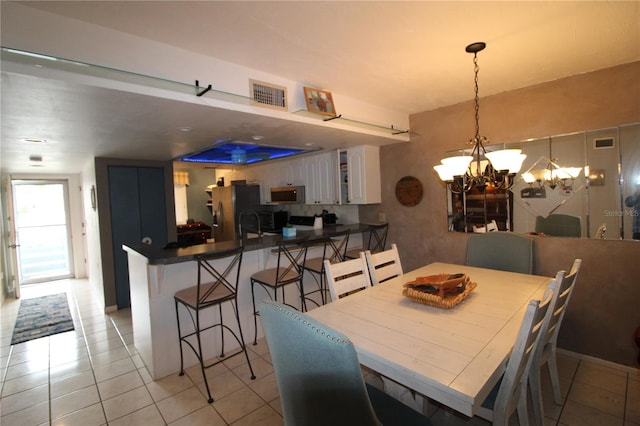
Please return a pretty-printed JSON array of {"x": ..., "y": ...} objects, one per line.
[
  {"x": 320, "y": 178},
  {"x": 360, "y": 175}
]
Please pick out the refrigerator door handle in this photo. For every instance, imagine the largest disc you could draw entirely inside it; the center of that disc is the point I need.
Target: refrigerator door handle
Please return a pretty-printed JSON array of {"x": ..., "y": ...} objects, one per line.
[{"x": 220, "y": 216}]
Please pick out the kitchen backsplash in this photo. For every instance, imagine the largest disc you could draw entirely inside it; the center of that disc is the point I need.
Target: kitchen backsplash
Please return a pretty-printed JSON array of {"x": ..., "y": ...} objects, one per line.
[{"x": 344, "y": 214}]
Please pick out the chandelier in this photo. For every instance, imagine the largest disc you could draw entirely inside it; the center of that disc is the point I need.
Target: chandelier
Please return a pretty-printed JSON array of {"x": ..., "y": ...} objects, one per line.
[
  {"x": 481, "y": 168},
  {"x": 551, "y": 175}
]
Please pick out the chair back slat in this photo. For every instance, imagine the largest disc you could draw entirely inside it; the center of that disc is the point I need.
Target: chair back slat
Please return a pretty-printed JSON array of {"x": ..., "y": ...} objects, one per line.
[
  {"x": 347, "y": 277},
  {"x": 383, "y": 265}
]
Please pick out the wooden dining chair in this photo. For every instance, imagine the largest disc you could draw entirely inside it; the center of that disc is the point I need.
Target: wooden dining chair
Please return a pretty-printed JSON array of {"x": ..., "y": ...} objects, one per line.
[
  {"x": 504, "y": 251},
  {"x": 546, "y": 351},
  {"x": 383, "y": 265},
  {"x": 217, "y": 284},
  {"x": 511, "y": 392},
  {"x": 376, "y": 240},
  {"x": 347, "y": 277},
  {"x": 319, "y": 377}
]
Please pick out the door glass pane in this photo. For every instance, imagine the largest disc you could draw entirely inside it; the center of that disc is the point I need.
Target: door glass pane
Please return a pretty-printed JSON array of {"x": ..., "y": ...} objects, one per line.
[{"x": 41, "y": 228}]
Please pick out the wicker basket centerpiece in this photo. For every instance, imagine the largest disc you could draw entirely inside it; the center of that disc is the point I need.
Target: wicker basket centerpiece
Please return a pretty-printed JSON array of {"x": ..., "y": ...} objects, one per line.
[{"x": 442, "y": 290}]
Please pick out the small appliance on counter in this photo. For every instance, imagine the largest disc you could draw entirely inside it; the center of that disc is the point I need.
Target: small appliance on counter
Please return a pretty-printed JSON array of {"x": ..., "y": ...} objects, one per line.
[
  {"x": 302, "y": 221},
  {"x": 328, "y": 218},
  {"x": 317, "y": 222},
  {"x": 273, "y": 221}
]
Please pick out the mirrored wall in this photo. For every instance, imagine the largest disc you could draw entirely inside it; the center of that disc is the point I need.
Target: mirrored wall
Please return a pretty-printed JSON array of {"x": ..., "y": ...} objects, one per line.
[{"x": 569, "y": 185}]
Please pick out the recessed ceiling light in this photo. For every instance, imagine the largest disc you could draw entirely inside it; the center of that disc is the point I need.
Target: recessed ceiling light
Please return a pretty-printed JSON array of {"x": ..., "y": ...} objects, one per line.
[
  {"x": 236, "y": 152},
  {"x": 257, "y": 138},
  {"x": 185, "y": 129},
  {"x": 33, "y": 140}
]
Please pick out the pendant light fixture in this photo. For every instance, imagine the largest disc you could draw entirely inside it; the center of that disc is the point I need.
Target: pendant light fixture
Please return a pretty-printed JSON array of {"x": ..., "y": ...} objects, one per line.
[
  {"x": 550, "y": 176},
  {"x": 481, "y": 168}
]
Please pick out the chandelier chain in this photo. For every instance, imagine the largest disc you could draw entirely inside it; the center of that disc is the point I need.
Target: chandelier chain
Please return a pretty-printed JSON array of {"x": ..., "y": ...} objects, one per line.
[
  {"x": 484, "y": 169},
  {"x": 477, "y": 99}
]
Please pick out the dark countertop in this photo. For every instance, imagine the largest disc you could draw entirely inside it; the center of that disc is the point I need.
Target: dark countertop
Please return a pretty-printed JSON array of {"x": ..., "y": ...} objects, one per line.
[{"x": 162, "y": 256}]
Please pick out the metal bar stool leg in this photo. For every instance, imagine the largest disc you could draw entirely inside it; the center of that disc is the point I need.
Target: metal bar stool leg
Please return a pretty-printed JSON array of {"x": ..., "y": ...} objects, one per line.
[{"x": 179, "y": 340}]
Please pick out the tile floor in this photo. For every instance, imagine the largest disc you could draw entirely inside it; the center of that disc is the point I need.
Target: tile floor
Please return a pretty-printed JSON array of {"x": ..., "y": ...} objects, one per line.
[{"x": 92, "y": 376}]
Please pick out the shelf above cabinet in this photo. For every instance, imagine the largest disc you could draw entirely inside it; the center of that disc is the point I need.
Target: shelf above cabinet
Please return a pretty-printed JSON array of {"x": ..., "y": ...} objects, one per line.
[
  {"x": 92, "y": 73},
  {"x": 390, "y": 130}
]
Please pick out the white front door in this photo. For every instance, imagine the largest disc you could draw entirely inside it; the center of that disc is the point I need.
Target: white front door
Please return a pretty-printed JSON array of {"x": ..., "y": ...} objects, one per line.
[{"x": 41, "y": 229}]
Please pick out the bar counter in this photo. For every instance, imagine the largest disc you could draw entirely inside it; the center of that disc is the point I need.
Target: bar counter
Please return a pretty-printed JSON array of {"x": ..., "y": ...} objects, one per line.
[{"x": 156, "y": 274}]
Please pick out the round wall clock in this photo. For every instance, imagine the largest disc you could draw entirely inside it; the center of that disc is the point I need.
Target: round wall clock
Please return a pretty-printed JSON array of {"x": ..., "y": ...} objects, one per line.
[{"x": 409, "y": 191}]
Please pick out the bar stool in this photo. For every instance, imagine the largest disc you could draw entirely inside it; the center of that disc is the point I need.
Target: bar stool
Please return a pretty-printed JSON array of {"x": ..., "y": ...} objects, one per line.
[
  {"x": 334, "y": 250},
  {"x": 216, "y": 286},
  {"x": 291, "y": 254},
  {"x": 376, "y": 243}
]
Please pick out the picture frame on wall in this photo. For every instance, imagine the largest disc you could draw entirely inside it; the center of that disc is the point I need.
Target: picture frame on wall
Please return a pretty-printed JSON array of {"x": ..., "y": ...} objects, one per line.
[{"x": 319, "y": 101}]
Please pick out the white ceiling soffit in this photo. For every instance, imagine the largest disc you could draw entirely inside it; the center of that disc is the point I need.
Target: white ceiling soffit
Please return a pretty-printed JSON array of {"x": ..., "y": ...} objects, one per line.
[{"x": 406, "y": 56}]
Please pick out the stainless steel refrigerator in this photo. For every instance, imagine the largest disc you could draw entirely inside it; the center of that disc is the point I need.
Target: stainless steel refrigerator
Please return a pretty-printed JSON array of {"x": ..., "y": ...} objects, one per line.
[{"x": 229, "y": 203}]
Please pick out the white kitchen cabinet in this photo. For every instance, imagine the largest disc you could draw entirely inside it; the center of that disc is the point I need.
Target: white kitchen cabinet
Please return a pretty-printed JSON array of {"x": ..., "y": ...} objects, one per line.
[
  {"x": 359, "y": 175},
  {"x": 320, "y": 178},
  {"x": 282, "y": 173},
  {"x": 289, "y": 172},
  {"x": 266, "y": 177}
]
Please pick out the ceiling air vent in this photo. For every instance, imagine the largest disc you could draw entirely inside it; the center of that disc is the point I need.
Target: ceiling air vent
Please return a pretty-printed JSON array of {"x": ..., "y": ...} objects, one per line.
[{"x": 269, "y": 94}]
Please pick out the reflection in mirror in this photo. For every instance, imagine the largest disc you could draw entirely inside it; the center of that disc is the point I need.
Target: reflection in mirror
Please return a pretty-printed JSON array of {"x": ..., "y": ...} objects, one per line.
[{"x": 570, "y": 185}]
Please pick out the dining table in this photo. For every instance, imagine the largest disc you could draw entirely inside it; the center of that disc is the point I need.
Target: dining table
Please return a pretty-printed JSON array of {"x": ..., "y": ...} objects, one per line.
[{"x": 452, "y": 355}]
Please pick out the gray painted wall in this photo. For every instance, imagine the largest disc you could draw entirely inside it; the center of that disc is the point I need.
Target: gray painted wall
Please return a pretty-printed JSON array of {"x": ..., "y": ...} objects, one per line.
[{"x": 603, "y": 314}]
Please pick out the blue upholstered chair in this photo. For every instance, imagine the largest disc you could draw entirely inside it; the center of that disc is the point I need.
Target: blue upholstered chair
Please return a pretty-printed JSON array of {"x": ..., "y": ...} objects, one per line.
[
  {"x": 319, "y": 376},
  {"x": 504, "y": 251},
  {"x": 559, "y": 225}
]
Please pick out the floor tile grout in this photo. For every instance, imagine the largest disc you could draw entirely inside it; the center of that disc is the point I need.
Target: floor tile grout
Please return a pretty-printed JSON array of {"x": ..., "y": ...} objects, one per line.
[{"x": 104, "y": 340}]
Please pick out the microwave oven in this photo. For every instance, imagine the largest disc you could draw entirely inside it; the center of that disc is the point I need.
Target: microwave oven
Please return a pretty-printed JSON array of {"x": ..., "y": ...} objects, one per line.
[{"x": 287, "y": 195}]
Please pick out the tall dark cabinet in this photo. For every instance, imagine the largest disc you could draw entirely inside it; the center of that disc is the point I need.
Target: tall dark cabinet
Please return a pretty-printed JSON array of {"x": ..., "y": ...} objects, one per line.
[{"x": 135, "y": 203}]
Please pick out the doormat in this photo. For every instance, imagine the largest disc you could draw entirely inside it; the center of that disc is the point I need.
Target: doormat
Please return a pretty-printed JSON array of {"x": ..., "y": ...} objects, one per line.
[{"x": 41, "y": 317}]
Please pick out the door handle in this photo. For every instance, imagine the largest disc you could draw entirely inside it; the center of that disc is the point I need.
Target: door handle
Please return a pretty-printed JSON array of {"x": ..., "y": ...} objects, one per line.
[
  {"x": 220, "y": 216},
  {"x": 14, "y": 246}
]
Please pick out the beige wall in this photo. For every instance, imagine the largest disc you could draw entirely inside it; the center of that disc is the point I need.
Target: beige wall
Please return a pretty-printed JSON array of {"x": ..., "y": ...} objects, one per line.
[{"x": 604, "y": 311}]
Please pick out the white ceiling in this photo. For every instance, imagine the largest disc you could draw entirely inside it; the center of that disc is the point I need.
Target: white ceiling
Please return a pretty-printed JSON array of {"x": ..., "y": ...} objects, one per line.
[{"x": 406, "y": 56}]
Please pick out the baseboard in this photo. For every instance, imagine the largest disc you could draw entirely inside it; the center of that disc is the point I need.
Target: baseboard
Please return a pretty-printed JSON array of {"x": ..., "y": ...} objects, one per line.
[
  {"x": 110, "y": 309},
  {"x": 599, "y": 361}
]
